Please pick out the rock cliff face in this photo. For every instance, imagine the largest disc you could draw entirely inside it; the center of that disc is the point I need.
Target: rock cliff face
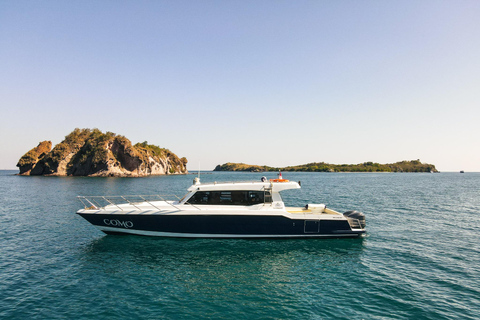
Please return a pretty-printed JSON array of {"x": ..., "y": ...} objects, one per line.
[
  {"x": 86, "y": 152},
  {"x": 28, "y": 161}
]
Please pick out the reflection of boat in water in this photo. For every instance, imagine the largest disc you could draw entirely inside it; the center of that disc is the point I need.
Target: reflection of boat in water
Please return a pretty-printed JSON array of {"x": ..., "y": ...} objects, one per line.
[
  {"x": 221, "y": 210},
  {"x": 170, "y": 251}
]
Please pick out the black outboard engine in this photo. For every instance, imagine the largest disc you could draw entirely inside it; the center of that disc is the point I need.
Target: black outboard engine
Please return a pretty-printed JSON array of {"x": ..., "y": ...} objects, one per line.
[{"x": 356, "y": 219}]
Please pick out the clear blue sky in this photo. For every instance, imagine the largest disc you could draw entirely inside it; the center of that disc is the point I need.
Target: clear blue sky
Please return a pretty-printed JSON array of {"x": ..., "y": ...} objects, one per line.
[{"x": 260, "y": 82}]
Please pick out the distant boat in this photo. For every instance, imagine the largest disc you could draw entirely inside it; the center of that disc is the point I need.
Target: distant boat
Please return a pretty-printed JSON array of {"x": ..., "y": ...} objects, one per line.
[{"x": 461, "y": 171}]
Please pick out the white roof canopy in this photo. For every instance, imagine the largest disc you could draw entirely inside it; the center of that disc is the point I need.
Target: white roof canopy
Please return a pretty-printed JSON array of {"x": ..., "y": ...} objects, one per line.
[{"x": 244, "y": 186}]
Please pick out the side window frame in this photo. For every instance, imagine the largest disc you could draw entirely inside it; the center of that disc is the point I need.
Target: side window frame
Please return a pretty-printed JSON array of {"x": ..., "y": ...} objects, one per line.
[{"x": 237, "y": 197}]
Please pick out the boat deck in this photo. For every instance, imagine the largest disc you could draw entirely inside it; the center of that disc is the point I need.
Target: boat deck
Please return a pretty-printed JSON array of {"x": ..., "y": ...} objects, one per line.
[{"x": 302, "y": 210}]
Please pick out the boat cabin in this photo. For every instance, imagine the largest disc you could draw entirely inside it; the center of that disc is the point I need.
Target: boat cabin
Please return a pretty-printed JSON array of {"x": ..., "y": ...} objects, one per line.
[{"x": 237, "y": 193}]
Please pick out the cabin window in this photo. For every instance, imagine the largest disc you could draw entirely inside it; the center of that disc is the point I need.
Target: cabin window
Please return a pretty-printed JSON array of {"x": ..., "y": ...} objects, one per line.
[{"x": 238, "y": 198}]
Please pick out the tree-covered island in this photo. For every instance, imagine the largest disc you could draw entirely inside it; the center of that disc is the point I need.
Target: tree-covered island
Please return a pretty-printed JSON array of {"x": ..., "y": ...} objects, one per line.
[
  {"x": 402, "y": 166},
  {"x": 90, "y": 152}
]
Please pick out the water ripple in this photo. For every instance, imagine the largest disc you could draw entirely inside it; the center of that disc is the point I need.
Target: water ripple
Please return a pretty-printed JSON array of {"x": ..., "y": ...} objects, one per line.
[{"x": 419, "y": 260}]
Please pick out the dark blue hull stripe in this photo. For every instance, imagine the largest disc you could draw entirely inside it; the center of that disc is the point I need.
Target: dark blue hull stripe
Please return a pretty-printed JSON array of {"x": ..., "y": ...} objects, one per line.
[{"x": 220, "y": 226}]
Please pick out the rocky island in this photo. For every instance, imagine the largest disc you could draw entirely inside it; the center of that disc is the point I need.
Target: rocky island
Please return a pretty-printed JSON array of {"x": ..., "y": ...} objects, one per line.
[
  {"x": 90, "y": 152},
  {"x": 402, "y": 166}
]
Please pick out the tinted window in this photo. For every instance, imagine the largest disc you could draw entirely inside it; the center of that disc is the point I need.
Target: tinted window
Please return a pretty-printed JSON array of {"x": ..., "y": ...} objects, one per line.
[{"x": 241, "y": 198}]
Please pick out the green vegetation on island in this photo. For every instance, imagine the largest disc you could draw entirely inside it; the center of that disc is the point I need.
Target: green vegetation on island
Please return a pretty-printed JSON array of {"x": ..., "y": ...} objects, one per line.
[
  {"x": 402, "y": 166},
  {"x": 90, "y": 152}
]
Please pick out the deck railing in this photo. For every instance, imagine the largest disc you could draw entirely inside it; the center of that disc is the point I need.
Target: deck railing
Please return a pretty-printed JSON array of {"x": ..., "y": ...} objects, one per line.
[
  {"x": 137, "y": 201},
  {"x": 355, "y": 223}
]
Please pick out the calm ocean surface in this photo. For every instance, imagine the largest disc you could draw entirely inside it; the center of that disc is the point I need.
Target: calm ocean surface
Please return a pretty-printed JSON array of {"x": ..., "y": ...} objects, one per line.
[{"x": 420, "y": 259}]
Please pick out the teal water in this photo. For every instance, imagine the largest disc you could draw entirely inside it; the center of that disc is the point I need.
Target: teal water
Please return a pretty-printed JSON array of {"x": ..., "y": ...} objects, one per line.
[{"x": 420, "y": 259}]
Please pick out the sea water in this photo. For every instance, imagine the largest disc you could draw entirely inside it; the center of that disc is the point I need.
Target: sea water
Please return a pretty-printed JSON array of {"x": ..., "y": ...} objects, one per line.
[{"x": 419, "y": 260}]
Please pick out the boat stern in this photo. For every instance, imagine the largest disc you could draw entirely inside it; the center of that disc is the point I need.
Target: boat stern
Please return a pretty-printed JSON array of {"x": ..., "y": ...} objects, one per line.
[{"x": 356, "y": 220}]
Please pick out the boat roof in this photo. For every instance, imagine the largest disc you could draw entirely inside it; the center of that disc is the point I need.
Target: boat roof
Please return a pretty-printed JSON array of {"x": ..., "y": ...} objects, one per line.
[{"x": 244, "y": 186}]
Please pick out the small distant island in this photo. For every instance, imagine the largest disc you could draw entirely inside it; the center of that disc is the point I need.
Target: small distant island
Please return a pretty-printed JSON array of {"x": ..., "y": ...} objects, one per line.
[
  {"x": 90, "y": 152},
  {"x": 402, "y": 166}
]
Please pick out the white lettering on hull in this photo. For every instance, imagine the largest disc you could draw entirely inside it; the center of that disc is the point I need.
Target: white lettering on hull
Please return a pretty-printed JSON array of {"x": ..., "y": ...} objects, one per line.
[{"x": 118, "y": 223}]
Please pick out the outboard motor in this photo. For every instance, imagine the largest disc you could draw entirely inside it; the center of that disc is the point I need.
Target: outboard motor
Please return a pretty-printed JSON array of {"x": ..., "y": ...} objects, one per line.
[{"x": 356, "y": 219}]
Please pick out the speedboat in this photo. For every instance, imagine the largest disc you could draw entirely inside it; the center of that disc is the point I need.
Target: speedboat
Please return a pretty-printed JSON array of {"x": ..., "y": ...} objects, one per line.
[{"x": 252, "y": 209}]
